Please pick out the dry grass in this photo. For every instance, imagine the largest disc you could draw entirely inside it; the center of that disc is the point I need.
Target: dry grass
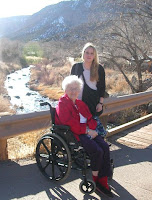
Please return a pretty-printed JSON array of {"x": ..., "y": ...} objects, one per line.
[
  {"x": 4, "y": 70},
  {"x": 2, "y": 79},
  {"x": 49, "y": 79},
  {"x": 5, "y": 105},
  {"x": 115, "y": 83},
  {"x": 53, "y": 93},
  {"x": 24, "y": 146},
  {"x": 4, "y": 102}
]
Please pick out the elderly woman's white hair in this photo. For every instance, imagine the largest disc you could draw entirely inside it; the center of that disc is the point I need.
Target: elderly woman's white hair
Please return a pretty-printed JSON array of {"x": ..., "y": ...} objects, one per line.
[{"x": 70, "y": 80}]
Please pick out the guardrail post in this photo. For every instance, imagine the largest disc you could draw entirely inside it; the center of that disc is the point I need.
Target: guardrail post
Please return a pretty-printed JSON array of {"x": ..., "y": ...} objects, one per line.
[{"x": 3, "y": 149}]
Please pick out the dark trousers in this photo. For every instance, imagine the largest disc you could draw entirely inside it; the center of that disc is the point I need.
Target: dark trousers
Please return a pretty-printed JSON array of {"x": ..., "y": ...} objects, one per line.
[{"x": 98, "y": 151}]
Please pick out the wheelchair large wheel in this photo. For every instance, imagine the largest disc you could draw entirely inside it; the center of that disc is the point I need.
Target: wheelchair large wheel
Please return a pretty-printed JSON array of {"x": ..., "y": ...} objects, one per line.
[
  {"x": 53, "y": 157},
  {"x": 87, "y": 187}
]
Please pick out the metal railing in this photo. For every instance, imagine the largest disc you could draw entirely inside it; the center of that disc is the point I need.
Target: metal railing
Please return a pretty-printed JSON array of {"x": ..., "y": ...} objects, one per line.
[{"x": 13, "y": 125}]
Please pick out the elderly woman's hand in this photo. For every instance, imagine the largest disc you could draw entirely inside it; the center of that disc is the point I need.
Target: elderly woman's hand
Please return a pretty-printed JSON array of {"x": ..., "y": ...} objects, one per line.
[{"x": 92, "y": 133}]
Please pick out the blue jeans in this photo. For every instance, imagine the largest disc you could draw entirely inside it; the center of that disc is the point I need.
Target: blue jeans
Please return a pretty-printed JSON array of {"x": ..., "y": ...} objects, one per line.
[{"x": 100, "y": 129}]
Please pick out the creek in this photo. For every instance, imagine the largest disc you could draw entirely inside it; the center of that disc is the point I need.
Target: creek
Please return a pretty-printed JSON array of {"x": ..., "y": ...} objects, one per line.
[
  {"x": 20, "y": 95},
  {"x": 22, "y": 98}
]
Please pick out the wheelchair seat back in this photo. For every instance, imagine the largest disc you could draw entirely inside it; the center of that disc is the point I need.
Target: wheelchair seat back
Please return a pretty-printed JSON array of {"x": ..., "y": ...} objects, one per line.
[{"x": 62, "y": 130}]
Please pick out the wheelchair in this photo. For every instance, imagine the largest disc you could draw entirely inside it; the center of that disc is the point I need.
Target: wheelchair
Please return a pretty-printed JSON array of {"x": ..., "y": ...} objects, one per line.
[{"x": 58, "y": 152}]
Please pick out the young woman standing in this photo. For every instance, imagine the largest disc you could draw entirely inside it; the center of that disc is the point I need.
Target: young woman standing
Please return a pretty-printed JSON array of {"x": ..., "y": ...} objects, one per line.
[{"x": 93, "y": 76}]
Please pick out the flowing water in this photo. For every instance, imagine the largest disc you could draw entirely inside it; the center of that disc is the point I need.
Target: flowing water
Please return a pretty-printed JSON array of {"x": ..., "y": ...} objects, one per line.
[{"x": 20, "y": 95}]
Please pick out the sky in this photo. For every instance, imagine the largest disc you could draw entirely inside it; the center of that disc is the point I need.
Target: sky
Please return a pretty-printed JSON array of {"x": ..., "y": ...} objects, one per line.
[{"x": 11, "y": 8}]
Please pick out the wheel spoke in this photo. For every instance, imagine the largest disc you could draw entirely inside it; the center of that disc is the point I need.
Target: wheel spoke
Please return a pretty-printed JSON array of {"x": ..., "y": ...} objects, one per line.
[
  {"x": 53, "y": 157},
  {"x": 42, "y": 155},
  {"x": 47, "y": 156},
  {"x": 59, "y": 158},
  {"x": 45, "y": 147}
]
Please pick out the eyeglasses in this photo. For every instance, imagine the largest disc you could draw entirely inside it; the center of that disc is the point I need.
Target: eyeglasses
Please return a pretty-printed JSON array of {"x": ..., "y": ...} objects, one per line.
[{"x": 73, "y": 89}]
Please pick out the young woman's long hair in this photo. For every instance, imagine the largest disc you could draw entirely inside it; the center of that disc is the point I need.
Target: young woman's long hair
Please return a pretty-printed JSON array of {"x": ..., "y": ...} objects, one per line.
[{"x": 95, "y": 63}]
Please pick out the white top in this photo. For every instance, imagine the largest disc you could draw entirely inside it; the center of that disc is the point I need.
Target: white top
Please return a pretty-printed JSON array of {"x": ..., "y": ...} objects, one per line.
[
  {"x": 91, "y": 84},
  {"x": 82, "y": 119}
]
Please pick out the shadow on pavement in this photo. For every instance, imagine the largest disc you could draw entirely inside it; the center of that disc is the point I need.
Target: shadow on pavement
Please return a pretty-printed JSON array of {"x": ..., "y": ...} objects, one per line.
[
  {"x": 21, "y": 181},
  {"x": 17, "y": 181}
]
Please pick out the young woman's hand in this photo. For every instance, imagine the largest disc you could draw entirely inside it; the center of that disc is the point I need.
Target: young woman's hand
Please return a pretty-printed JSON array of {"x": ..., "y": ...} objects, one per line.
[
  {"x": 92, "y": 133},
  {"x": 99, "y": 107}
]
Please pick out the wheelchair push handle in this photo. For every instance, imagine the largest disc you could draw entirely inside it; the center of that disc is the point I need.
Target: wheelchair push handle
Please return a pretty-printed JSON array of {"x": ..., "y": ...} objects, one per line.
[
  {"x": 45, "y": 104},
  {"x": 52, "y": 110}
]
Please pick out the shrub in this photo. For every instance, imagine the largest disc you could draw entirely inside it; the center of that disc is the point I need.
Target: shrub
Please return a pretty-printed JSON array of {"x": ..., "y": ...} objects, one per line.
[
  {"x": 10, "y": 51},
  {"x": 2, "y": 89},
  {"x": 4, "y": 105},
  {"x": 32, "y": 49}
]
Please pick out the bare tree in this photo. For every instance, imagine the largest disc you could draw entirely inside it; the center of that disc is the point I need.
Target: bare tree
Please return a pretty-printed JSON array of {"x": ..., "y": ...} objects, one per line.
[
  {"x": 143, "y": 8},
  {"x": 129, "y": 40}
]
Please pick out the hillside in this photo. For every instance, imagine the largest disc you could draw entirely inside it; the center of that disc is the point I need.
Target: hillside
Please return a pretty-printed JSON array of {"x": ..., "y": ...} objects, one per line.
[
  {"x": 11, "y": 24},
  {"x": 57, "y": 21}
]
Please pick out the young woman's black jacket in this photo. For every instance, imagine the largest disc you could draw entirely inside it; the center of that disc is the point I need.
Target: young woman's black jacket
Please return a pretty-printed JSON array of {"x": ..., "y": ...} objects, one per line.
[{"x": 77, "y": 69}]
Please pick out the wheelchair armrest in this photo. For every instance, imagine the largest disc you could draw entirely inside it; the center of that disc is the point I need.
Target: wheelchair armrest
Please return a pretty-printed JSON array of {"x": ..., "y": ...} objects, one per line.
[{"x": 61, "y": 127}]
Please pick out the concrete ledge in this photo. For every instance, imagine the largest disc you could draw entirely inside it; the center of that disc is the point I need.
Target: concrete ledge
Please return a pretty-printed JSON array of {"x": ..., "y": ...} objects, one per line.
[{"x": 128, "y": 125}]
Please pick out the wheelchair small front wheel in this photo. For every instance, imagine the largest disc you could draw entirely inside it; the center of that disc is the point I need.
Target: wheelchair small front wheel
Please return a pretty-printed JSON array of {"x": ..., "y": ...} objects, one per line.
[{"x": 87, "y": 187}]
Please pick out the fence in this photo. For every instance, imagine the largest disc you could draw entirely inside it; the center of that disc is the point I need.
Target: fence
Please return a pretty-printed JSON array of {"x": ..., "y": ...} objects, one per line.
[{"x": 13, "y": 125}]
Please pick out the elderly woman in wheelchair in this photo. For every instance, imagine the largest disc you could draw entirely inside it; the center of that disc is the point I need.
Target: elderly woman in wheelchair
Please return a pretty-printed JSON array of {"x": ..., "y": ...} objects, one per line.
[{"x": 56, "y": 151}]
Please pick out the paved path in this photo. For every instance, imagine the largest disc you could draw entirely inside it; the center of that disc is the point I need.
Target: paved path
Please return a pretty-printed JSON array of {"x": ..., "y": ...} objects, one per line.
[{"x": 132, "y": 176}]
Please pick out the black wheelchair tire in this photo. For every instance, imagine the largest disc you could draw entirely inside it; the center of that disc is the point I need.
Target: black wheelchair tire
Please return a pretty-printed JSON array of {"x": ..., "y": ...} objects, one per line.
[{"x": 58, "y": 149}]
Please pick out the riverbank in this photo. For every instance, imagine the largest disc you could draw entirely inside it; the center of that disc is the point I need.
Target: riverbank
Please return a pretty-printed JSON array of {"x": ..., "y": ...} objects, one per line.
[
  {"x": 47, "y": 79},
  {"x": 21, "y": 96},
  {"x": 5, "y": 105},
  {"x": 53, "y": 93},
  {"x": 9, "y": 103}
]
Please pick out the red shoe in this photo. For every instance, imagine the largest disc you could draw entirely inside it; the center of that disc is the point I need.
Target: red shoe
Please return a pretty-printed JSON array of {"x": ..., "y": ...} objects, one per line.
[{"x": 104, "y": 190}]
